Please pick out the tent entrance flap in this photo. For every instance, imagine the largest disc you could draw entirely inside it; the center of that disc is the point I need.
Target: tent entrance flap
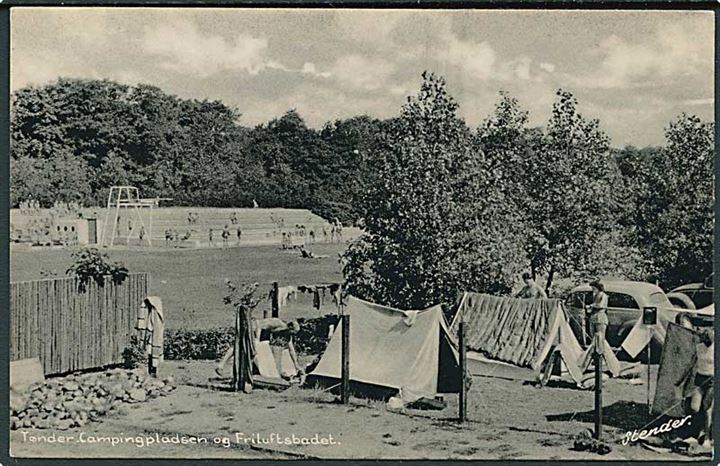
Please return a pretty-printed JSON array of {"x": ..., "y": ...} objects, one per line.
[{"x": 392, "y": 349}]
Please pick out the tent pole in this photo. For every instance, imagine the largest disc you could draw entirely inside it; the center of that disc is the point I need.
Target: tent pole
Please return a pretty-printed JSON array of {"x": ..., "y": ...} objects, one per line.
[
  {"x": 345, "y": 387},
  {"x": 648, "y": 375},
  {"x": 463, "y": 374},
  {"x": 238, "y": 376},
  {"x": 276, "y": 300},
  {"x": 598, "y": 394}
]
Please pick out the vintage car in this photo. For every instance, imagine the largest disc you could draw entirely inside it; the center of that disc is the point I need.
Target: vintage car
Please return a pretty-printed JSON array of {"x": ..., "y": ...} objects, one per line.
[
  {"x": 693, "y": 295},
  {"x": 626, "y": 300}
]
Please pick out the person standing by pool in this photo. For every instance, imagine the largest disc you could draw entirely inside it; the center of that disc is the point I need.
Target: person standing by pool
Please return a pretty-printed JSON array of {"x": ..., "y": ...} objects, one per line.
[{"x": 225, "y": 236}]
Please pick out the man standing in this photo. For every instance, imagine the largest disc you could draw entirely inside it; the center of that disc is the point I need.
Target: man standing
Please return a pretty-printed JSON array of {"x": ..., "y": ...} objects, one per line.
[
  {"x": 225, "y": 236},
  {"x": 530, "y": 290}
]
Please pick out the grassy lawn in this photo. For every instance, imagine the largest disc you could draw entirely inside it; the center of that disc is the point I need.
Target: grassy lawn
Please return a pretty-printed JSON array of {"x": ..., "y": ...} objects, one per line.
[{"x": 192, "y": 282}]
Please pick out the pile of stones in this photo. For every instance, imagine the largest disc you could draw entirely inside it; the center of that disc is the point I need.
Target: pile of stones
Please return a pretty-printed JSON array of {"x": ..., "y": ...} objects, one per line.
[{"x": 75, "y": 400}]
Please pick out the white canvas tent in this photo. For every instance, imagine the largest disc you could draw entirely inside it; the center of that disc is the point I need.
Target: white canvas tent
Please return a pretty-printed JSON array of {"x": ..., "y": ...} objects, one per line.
[
  {"x": 392, "y": 350},
  {"x": 642, "y": 334}
]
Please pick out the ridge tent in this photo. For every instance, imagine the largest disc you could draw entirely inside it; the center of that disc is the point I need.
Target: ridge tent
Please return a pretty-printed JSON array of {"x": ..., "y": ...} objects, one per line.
[
  {"x": 522, "y": 332},
  {"x": 392, "y": 350}
]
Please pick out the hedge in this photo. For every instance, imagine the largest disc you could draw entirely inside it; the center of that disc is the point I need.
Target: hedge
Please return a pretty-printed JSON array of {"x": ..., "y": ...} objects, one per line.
[{"x": 212, "y": 343}]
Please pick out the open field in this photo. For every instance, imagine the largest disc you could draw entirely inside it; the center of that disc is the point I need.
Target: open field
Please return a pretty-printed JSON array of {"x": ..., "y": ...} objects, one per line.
[
  {"x": 192, "y": 282},
  {"x": 508, "y": 419}
]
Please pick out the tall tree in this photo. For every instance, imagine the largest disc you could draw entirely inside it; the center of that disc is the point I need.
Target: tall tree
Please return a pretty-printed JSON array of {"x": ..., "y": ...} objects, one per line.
[
  {"x": 569, "y": 183},
  {"x": 675, "y": 211},
  {"x": 429, "y": 216}
]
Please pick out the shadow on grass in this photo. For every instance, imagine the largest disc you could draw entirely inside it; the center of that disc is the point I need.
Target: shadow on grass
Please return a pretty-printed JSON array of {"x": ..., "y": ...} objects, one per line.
[{"x": 624, "y": 415}]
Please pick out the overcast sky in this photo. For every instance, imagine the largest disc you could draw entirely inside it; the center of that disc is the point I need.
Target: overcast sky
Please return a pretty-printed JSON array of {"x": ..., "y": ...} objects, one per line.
[{"x": 635, "y": 71}]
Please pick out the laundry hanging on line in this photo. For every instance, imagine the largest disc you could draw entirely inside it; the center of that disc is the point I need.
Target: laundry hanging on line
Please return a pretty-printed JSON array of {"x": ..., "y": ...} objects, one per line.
[{"x": 319, "y": 293}]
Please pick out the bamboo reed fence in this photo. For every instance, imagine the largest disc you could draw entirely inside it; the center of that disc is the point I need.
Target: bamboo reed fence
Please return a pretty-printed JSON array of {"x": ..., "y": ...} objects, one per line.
[{"x": 69, "y": 330}]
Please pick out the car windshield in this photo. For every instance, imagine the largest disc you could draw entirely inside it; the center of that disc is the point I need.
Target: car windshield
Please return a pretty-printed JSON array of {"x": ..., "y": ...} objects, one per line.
[
  {"x": 659, "y": 298},
  {"x": 702, "y": 298}
]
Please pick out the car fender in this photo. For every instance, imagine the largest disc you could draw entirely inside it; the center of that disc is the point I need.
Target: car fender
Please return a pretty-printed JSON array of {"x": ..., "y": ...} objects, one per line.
[{"x": 685, "y": 299}]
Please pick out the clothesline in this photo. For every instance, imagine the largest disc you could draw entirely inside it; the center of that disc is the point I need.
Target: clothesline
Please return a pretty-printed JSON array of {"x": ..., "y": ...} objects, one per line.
[{"x": 319, "y": 292}]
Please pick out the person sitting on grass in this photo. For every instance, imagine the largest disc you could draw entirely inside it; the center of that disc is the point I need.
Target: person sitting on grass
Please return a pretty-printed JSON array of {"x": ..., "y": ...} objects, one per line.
[
  {"x": 272, "y": 327},
  {"x": 305, "y": 253}
]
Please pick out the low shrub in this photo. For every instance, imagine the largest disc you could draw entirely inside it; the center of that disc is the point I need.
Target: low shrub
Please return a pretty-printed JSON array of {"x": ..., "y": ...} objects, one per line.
[
  {"x": 197, "y": 344},
  {"x": 134, "y": 355},
  {"x": 212, "y": 343}
]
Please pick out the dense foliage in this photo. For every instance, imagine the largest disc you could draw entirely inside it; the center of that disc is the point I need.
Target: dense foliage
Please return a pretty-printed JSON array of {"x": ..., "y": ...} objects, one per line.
[
  {"x": 311, "y": 339},
  {"x": 435, "y": 220},
  {"x": 91, "y": 264},
  {"x": 73, "y": 139},
  {"x": 444, "y": 207}
]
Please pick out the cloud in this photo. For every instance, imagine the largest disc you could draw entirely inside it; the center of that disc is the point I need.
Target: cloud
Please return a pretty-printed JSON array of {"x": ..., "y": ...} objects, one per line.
[
  {"x": 185, "y": 49},
  {"x": 672, "y": 53},
  {"x": 474, "y": 58},
  {"x": 361, "y": 72},
  {"x": 547, "y": 67},
  {"x": 311, "y": 69},
  {"x": 694, "y": 102},
  {"x": 372, "y": 27}
]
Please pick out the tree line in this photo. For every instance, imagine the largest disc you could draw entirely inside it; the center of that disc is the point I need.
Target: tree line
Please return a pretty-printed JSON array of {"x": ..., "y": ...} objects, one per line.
[{"x": 444, "y": 207}]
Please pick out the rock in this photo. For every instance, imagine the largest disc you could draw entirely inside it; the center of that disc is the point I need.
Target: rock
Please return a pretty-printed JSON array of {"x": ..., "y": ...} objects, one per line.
[
  {"x": 64, "y": 424},
  {"x": 167, "y": 389},
  {"x": 71, "y": 386},
  {"x": 17, "y": 401},
  {"x": 73, "y": 405},
  {"x": 138, "y": 394},
  {"x": 42, "y": 424}
]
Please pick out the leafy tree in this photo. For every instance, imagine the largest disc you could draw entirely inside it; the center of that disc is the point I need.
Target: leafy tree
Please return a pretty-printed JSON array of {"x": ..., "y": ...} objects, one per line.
[
  {"x": 352, "y": 143},
  {"x": 431, "y": 219},
  {"x": 675, "y": 210},
  {"x": 571, "y": 201}
]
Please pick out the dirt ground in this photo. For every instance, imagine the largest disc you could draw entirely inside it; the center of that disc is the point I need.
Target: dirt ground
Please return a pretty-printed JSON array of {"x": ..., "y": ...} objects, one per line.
[{"x": 508, "y": 419}]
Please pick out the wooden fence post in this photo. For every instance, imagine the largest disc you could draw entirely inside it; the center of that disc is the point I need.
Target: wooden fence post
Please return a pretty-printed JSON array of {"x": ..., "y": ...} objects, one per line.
[
  {"x": 598, "y": 394},
  {"x": 345, "y": 387},
  {"x": 462, "y": 402},
  {"x": 276, "y": 300},
  {"x": 238, "y": 383}
]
